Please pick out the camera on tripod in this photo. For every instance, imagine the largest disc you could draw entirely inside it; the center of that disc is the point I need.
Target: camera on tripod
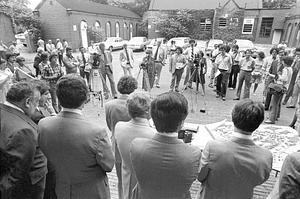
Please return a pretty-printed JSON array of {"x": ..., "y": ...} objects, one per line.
[
  {"x": 197, "y": 60},
  {"x": 186, "y": 135}
]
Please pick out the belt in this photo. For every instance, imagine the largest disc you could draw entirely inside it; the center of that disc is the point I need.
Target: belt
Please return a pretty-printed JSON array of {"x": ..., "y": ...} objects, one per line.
[{"x": 248, "y": 71}]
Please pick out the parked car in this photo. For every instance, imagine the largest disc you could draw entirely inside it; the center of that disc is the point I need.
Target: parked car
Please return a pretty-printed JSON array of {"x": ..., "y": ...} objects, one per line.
[
  {"x": 153, "y": 42},
  {"x": 245, "y": 44},
  {"x": 182, "y": 42},
  {"x": 210, "y": 46},
  {"x": 113, "y": 43},
  {"x": 138, "y": 43},
  {"x": 202, "y": 45}
]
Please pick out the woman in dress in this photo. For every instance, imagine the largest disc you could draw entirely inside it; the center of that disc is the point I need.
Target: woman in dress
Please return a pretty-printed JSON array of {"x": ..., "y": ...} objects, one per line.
[
  {"x": 147, "y": 66},
  {"x": 177, "y": 64},
  {"x": 258, "y": 70}
]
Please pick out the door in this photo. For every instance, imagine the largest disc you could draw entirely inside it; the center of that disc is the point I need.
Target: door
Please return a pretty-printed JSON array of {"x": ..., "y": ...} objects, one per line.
[
  {"x": 276, "y": 36},
  {"x": 83, "y": 32}
]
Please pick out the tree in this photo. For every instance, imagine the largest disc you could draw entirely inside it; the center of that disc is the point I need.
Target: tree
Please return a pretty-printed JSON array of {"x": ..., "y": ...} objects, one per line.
[
  {"x": 138, "y": 6},
  {"x": 279, "y": 4},
  {"x": 100, "y": 1},
  {"x": 22, "y": 17},
  {"x": 179, "y": 23}
]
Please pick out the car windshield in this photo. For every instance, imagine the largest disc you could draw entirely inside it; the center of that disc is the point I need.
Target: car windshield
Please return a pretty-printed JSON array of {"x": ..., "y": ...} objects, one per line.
[
  {"x": 110, "y": 39},
  {"x": 137, "y": 39},
  {"x": 245, "y": 44}
]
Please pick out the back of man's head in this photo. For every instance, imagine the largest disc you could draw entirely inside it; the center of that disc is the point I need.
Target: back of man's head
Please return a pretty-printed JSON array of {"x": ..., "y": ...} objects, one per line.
[
  {"x": 19, "y": 92},
  {"x": 127, "y": 84},
  {"x": 168, "y": 111},
  {"x": 71, "y": 91},
  {"x": 247, "y": 115}
]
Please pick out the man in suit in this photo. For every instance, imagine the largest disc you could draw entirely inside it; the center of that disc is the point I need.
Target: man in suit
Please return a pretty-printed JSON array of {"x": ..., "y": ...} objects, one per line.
[
  {"x": 165, "y": 167},
  {"x": 289, "y": 180},
  {"x": 115, "y": 111},
  {"x": 159, "y": 61},
  {"x": 106, "y": 69},
  {"x": 23, "y": 166},
  {"x": 231, "y": 169},
  {"x": 79, "y": 150},
  {"x": 126, "y": 60},
  {"x": 138, "y": 104}
]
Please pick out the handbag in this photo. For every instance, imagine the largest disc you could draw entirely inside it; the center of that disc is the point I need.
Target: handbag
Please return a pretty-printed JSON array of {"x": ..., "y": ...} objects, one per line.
[{"x": 275, "y": 88}]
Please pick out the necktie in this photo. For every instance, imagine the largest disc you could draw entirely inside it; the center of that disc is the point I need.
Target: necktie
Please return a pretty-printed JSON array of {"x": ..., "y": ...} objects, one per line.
[
  {"x": 156, "y": 53},
  {"x": 105, "y": 58},
  {"x": 128, "y": 61},
  {"x": 192, "y": 54}
]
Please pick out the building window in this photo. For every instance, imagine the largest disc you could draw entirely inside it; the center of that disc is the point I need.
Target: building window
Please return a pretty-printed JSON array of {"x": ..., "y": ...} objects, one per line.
[
  {"x": 266, "y": 27},
  {"x": 248, "y": 26},
  {"x": 222, "y": 22},
  {"x": 205, "y": 24},
  {"x": 97, "y": 26},
  {"x": 117, "y": 29},
  {"x": 108, "y": 29},
  {"x": 130, "y": 30}
]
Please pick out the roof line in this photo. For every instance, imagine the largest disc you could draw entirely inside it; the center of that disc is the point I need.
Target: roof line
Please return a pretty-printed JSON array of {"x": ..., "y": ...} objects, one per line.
[{"x": 106, "y": 14}]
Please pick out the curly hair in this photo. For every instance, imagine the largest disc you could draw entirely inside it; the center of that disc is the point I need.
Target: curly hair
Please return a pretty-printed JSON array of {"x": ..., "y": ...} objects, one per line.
[
  {"x": 20, "y": 91},
  {"x": 127, "y": 85}
]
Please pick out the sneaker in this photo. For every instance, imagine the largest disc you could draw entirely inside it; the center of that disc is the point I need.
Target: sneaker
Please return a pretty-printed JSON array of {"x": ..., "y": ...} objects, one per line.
[
  {"x": 218, "y": 96},
  {"x": 230, "y": 88},
  {"x": 224, "y": 98},
  {"x": 157, "y": 86}
]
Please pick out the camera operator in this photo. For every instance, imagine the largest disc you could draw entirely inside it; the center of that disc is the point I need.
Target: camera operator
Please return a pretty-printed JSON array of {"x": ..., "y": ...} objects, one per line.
[
  {"x": 148, "y": 67},
  {"x": 200, "y": 66},
  {"x": 160, "y": 177}
]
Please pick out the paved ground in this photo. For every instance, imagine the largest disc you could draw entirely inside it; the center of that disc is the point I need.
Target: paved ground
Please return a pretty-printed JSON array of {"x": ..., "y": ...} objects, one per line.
[{"x": 216, "y": 110}]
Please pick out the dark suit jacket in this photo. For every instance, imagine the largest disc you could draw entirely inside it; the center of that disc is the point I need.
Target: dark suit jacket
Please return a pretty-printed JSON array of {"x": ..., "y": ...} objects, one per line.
[
  {"x": 18, "y": 142},
  {"x": 116, "y": 111},
  {"x": 289, "y": 181},
  {"x": 81, "y": 154},
  {"x": 231, "y": 169},
  {"x": 165, "y": 167}
]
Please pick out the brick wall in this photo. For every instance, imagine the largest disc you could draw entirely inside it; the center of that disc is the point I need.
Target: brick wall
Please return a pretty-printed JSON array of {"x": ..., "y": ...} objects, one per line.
[
  {"x": 57, "y": 23},
  {"x": 6, "y": 29}
]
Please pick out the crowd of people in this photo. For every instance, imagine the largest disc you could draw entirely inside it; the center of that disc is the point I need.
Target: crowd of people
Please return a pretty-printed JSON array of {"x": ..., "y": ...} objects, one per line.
[{"x": 48, "y": 149}]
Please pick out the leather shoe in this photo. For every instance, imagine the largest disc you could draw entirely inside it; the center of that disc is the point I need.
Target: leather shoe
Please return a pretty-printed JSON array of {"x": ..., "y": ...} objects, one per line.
[
  {"x": 236, "y": 98},
  {"x": 290, "y": 106}
]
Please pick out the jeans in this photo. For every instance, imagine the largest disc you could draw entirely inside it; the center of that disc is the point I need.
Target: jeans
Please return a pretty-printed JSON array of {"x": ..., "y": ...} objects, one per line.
[
  {"x": 275, "y": 106},
  {"x": 176, "y": 77},
  {"x": 106, "y": 71},
  {"x": 222, "y": 82},
  {"x": 233, "y": 76},
  {"x": 244, "y": 76},
  {"x": 158, "y": 67}
]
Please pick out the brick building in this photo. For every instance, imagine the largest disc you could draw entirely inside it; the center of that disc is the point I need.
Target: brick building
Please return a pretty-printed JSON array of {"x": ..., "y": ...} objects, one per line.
[
  {"x": 292, "y": 26},
  {"x": 228, "y": 19},
  {"x": 72, "y": 19},
  {"x": 6, "y": 30}
]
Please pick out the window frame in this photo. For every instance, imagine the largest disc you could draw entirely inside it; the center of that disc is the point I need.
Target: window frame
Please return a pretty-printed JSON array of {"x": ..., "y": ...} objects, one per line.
[{"x": 248, "y": 21}]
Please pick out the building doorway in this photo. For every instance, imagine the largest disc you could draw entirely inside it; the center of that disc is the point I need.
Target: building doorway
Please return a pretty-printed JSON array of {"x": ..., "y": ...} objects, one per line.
[
  {"x": 83, "y": 33},
  {"x": 276, "y": 37}
]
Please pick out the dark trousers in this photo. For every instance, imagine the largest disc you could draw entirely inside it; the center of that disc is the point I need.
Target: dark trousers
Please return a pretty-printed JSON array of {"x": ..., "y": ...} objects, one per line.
[
  {"x": 86, "y": 75},
  {"x": 107, "y": 71},
  {"x": 53, "y": 96},
  {"x": 275, "y": 106},
  {"x": 60, "y": 59},
  {"x": 25, "y": 190},
  {"x": 233, "y": 76},
  {"x": 268, "y": 100},
  {"x": 290, "y": 89},
  {"x": 222, "y": 82}
]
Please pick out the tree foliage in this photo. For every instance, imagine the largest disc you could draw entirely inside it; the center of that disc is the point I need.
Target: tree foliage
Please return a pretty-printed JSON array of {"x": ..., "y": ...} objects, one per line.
[
  {"x": 22, "y": 17},
  {"x": 178, "y": 24},
  {"x": 100, "y": 1},
  {"x": 138, "y": 6},
  {"x": 279, "y": 4}
]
